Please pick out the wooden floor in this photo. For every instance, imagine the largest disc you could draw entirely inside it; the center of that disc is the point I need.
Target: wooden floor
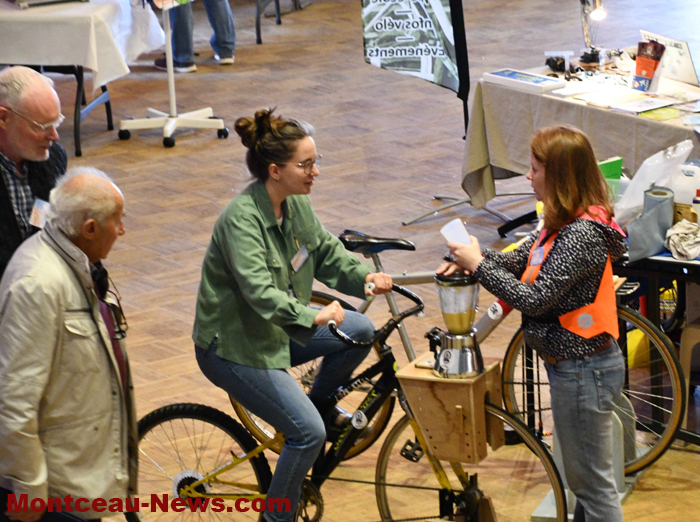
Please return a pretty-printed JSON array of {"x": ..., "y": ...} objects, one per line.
[{"x": 389, "y": 142}]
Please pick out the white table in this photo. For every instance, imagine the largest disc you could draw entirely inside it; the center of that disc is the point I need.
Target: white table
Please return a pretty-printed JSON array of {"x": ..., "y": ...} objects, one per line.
[
  {"x": 503, "y": 120},
  {"x": 100, "y": 35}
]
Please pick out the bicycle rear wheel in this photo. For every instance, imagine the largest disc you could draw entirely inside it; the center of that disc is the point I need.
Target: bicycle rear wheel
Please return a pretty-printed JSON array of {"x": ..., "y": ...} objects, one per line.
[
  {"x": 516, "y": 477},
  {"x": 180, "y": 444},
  {"x": 654, "y": 392},
  {"x": 305, "y": 374}
]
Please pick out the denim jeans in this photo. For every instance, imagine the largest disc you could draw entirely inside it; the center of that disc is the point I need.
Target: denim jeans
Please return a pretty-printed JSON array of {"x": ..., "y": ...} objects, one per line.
[
  {"x": 583, "y": 394},
  {"x": 223, "y": 41},
  {"x": 274, "y": 396}
]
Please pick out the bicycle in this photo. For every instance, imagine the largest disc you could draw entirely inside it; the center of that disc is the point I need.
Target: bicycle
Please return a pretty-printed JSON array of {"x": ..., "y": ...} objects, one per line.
[
  {"x": 654, "y": 387},
  {"x": 198, "y": 452}
]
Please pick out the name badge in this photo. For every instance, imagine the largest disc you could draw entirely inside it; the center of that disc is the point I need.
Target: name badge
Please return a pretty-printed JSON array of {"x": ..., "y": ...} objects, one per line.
[
  {"x": 537, "y": 256},
  {"x": 300, "y": 258},
  {"x": 39, "y": 213}
]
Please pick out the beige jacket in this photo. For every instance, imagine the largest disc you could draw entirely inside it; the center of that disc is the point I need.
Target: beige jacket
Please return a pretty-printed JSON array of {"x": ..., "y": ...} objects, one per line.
[{"x": 66, "y": 425}]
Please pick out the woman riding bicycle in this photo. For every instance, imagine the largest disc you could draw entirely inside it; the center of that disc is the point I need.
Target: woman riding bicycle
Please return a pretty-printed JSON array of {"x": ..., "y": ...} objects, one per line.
[
  {"x": 252, "y": 319},
  {"x": 561, "y": 281}
]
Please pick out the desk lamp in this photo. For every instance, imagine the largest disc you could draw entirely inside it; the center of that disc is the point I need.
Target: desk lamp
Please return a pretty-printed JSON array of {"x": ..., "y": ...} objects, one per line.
[{"x": 591, "y": 12}]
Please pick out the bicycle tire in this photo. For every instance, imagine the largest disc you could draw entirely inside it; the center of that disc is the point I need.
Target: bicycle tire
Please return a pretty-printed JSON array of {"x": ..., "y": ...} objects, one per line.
[
  {"x": 521, "y": 474},
  {"x": 305, "y": 375},
  {"x": 650, "y": 431},
  {"x": 182, "y": 442}
]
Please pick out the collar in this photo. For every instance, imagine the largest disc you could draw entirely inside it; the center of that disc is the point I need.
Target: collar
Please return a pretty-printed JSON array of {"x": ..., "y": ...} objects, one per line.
[
  {"x": 264, "y": 204},
  {"x": 72, "y": 255},
  {"x": 7, "y": 165}
]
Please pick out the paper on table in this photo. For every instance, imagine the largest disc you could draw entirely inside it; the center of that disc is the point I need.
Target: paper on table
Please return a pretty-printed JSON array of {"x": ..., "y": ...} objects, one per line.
[
  {"x": 612, "y": 96},
  {"x": 456, "y": 232}
]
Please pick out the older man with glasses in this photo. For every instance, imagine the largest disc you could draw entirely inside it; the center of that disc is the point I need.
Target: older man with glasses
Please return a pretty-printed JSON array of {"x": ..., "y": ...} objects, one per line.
[
  {"x": 30, "y": 158},
  {"x": 67, "y": 418}
]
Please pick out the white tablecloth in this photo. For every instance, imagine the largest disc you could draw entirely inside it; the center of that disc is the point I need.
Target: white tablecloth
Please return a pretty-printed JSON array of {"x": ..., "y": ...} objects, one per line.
[
  {"x": 101, "y": 35},
  {"x": 503, "y": 120}
]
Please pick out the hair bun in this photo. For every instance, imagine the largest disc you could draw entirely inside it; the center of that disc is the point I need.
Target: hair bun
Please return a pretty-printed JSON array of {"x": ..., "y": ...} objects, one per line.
[
  {"x": 246, "y": 128},
  {"x": 253, "y": 129}
]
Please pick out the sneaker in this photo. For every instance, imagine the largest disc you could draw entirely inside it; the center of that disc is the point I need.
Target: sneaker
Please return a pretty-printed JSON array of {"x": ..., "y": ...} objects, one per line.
[
  {"x": 179, "y": 67},
  {"x": 336, "y": 422},
  {"x": 228, "y": 60}
]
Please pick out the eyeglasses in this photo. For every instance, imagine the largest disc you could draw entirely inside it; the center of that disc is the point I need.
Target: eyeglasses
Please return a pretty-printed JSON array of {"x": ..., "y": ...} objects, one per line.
[
  {"x": 113, "y": 301},
  {"x": 42, "y": 127},
  {"x": 308, "y": 165}
]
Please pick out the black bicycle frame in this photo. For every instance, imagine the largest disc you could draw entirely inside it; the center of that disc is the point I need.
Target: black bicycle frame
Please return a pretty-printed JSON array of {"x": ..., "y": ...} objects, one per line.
[{"x": 380, "y": 392}]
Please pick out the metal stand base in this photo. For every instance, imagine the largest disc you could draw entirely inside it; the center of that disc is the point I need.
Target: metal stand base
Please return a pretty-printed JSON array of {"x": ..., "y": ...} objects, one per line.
[
  {"x": 510, "y": 223},
  {"x": 170, "y": 122},
  {"x": 199, "y": 119}
]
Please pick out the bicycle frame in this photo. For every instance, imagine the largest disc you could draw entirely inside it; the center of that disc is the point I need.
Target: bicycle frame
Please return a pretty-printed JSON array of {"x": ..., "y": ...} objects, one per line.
[{"x": 386, "y": 384}]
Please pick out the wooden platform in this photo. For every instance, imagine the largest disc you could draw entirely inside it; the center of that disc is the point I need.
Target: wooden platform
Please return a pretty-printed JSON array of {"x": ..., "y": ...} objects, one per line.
[{"x": 389, "y": 142}]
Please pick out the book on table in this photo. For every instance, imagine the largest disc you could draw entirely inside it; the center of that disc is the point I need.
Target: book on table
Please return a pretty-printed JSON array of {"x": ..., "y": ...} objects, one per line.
[
  {"x": 662, "y": 114},
  {"x": 526, "y": 81},
  {"x": 641, "y": 105}
]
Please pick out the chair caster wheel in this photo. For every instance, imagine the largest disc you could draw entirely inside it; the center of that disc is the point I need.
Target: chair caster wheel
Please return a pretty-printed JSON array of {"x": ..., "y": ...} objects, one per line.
[
  {"x": 222, "y": 133},
  {"x": 124, "y": 134},
  {"x": 169, "y": 142}
]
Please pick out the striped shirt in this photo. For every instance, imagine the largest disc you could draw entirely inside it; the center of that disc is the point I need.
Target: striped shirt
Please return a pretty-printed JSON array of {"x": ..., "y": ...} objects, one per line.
[{"x": 20, "y": 192}]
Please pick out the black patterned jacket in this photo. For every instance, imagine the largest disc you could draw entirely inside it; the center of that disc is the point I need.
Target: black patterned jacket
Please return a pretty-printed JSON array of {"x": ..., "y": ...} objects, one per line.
[
  {"x": 42, "y": 178},
  {"x": 568, "y": 279}
]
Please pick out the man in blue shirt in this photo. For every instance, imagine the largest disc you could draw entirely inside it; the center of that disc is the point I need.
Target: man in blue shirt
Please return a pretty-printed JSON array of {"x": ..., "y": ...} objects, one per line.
[{"x": 30, "y": 158}]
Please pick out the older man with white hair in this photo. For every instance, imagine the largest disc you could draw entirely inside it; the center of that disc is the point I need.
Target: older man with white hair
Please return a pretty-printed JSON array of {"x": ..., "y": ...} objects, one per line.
[
  {"x": 67, "y": 423},
  {"x": 30, "y": 158}
]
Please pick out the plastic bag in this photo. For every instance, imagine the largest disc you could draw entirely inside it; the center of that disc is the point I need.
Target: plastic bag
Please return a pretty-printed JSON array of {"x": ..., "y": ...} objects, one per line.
[{"x": 656, "y": 170}]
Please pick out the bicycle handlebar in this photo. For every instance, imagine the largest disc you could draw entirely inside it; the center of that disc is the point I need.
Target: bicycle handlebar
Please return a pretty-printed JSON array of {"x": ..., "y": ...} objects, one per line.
[{"x": 382, "y": 334}]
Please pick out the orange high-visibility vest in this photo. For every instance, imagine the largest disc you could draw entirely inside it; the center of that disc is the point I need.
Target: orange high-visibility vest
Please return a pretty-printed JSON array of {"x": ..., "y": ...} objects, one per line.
[{"x": 588, "y": 321}]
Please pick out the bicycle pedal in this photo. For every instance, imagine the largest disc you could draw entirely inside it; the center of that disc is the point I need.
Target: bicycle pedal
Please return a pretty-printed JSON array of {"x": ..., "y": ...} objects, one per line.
[
  {"x": 627, "y": 288},
  {"x": 412, "y": 451}
]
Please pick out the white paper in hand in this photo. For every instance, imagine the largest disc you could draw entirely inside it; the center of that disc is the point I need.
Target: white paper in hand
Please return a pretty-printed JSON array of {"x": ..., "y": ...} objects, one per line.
[{"x": 455, "y": 232}]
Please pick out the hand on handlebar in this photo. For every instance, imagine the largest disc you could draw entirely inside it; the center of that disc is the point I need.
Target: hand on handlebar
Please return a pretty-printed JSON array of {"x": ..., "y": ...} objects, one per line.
[
  {"x": 382, "y": 283},
  {"x": 332, "y": 312}
]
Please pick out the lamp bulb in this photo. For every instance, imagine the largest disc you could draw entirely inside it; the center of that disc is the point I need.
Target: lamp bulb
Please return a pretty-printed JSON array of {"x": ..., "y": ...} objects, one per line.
[{"x": 598, "y": 14}]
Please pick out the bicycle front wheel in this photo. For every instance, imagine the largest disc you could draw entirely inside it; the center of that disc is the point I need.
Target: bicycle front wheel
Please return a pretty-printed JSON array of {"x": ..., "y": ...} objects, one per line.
[
  {"x": 518, "y": 477},
  {"x": 653, "y": 396},
  {"x": 305, "y": 374},
  {"x": 182, "y": 443}
]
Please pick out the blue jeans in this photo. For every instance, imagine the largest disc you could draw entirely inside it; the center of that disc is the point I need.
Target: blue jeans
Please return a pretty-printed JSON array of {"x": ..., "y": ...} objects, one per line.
[
  {"x": 223, "y": 40},
  {"x": 274, "y": 396},
  {"x": 583, "y": 395}
]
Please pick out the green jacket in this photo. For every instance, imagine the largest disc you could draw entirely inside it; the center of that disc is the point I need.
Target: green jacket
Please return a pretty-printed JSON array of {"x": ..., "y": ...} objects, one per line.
[{"x": 244, "y": 296}]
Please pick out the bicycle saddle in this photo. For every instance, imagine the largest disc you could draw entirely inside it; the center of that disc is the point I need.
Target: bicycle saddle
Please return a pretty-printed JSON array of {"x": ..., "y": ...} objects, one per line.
[{"x": 363, "y": 244}]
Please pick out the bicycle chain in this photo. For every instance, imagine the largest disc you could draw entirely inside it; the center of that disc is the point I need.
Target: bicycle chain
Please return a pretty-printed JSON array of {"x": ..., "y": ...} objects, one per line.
[{"x": 369, "y": 482}]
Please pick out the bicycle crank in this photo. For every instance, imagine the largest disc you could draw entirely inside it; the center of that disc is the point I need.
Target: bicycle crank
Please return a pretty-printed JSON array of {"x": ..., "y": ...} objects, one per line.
[{"x": 310, "y": 507}]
